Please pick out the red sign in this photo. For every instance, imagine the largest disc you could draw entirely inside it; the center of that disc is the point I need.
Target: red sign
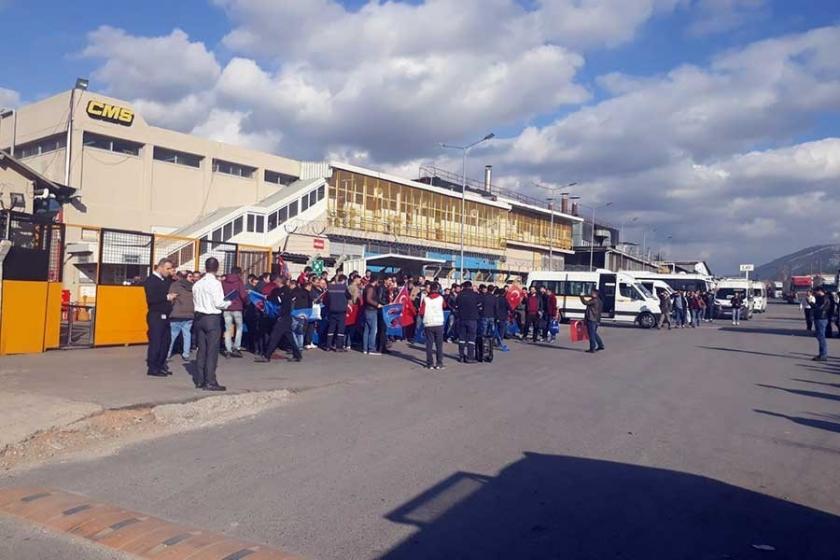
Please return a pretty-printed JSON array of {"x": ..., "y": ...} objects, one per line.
[{"x": 317, "y": 243}]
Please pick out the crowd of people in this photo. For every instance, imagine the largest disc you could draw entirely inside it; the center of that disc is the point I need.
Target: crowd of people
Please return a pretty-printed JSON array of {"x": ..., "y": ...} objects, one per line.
[
  {"x": 822, "y": 315},
  {"x": 689, "y": 309},
  {"x": 224, "y": 314}
]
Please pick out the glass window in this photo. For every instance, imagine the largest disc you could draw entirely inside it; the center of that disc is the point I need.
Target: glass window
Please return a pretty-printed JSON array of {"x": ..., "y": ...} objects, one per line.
[
  {"x": 235, "y": 169},
  {"x": 227, "y": 231},
  {"x": 250, "y": 223},
  {"x": 237, "y": 226},
  {"x": 111, "y": 144},
  {"x": 293, "y": 209},
  {"x": 173, "y": 156},
  {"x": 216, "y": 235},
  {"x": 260, "y": 222},
  {"x": 42, "y": 146},
  {"x": 278, "y": 178},
  {"x": 313, "y": 198},
  {"x": 321, "y": 192},
  {"x": 282, "y": 215},
  {"x": 304, "y": 203},
  {"x": 272, "y": 221}
]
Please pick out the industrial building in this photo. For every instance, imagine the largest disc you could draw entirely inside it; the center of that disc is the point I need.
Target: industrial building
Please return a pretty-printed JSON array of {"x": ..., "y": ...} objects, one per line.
[{"x": 130, "y": 176}]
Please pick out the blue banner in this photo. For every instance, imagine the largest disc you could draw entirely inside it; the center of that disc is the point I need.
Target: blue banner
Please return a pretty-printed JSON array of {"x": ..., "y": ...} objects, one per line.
[{"x": 391, "y": 316}]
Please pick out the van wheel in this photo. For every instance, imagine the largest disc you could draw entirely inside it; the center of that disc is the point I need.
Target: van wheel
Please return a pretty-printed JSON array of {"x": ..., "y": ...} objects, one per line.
[{"x": 646, "y": 320}]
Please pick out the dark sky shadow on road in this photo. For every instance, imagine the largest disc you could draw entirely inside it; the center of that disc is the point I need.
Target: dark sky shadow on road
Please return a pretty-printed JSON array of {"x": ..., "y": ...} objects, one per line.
[
  {"x": 765, "y": 330},
  {"x": 803, "y": 421},
  {"x": 834, "y": 385},
  {"x": 545, "y": 507},
  {"x": 802, "y": 392},
  {"x": 770, "y": 354}
]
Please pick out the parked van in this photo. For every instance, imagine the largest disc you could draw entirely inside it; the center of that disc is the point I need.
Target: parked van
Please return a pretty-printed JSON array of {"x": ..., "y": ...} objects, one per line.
[
  {"x": 726, "y": 289},
  {"x": 656, "y": 287},
  {"x": 759, "y": 294},
  {"x": 687, "y": 282},
  {"x": 624, "y": 299}
]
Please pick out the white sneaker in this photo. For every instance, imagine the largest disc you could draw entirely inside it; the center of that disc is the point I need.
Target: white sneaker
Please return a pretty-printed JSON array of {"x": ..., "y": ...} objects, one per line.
[{"x": 374, "y": 353}]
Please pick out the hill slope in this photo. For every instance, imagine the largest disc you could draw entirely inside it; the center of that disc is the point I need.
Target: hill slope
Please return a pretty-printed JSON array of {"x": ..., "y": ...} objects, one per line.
[{"x": 813, "y": 260}]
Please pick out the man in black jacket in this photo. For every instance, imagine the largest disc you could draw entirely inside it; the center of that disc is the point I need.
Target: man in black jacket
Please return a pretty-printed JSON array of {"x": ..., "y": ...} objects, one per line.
[
  {"x": 337, "y": 298},
  {"x": 502, "y": 312},
  {"x": 592, "y": 316},
  {"x": 282, "y": 330},
  {"x": 159, "y": 303},
  {"x": 468, "y": 306},
  {"x": 820, "y": 310}
]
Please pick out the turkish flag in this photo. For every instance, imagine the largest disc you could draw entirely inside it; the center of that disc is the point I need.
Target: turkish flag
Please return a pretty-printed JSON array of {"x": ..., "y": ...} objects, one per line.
[
  {"x": 515, "y": 296},
  {"x": 352, "y": 314},
  {"x": 409, "y": 312}
]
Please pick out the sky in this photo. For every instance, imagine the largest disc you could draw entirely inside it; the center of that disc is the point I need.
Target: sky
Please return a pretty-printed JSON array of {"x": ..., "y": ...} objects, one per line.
[{"x": 711, "y": 126}]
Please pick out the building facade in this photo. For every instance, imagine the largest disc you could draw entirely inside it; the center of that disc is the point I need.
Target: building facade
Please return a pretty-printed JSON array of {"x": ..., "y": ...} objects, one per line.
[{"x": 129, "y": 175}]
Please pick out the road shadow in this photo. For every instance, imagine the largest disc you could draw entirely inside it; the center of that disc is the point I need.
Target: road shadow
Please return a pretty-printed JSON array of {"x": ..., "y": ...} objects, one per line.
[
  {"x": 804, "y": 421},
  {"x": 802, "y": 392},
  {"x": 738, "y": 350},
  {"x": 834, "y": 385},
  {"x": 766, "y": 330},
  {"x": 545, "y": 507}
]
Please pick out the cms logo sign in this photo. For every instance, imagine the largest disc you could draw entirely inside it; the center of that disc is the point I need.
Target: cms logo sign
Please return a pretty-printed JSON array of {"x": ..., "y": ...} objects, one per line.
[{"x": 111, "y": 113}]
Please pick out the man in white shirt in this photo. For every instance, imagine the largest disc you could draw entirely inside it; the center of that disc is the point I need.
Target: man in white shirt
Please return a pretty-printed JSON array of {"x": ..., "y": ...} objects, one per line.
[{"x": 209, "y": 300}]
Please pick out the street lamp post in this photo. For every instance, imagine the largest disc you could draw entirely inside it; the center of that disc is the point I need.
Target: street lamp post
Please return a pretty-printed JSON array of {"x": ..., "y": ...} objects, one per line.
[
  {"x": 550, "y": 200},
  {"x": 82, "y": 84},
  {"x": 592, "y": 237},
  {"x": 464, "y": 150}
]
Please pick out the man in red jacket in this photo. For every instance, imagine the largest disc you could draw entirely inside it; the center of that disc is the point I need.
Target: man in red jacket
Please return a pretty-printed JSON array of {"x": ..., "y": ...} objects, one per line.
[
  {"x": 550, "y": 314},
  {"x": 533, "y": 310}
]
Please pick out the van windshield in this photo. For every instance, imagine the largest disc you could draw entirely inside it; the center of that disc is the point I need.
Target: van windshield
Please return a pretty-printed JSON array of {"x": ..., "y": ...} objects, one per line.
[
  {"x": 727, "y": 293},
  {"x": 645, "y": 292},
  {"x": 757, "y": 292}
]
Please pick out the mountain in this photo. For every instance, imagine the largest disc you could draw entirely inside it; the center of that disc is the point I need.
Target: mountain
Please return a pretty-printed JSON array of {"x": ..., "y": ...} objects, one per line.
[{"x": 813, "y": 260}]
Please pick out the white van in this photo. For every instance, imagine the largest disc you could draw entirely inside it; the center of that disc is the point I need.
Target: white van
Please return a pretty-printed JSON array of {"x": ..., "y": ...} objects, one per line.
[
  {"x": 656, "y": 287},
  {"x": 759, "y": 292},
  {"x": 726, "y": 289},
  {"x": 687, "y": 282},
  {"x": 624, "y": 299}
]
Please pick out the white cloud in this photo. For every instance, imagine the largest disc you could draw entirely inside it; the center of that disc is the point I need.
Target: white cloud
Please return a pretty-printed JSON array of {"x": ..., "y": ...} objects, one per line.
[
  {"x": 718, "y": 16},
  {"x": 155, "y": 68},
  {"x": 9, "y": 98}
]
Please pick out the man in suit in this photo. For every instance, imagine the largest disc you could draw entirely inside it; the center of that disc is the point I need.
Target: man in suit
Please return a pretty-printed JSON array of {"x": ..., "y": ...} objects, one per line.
[{"x": 159, "y": 303}]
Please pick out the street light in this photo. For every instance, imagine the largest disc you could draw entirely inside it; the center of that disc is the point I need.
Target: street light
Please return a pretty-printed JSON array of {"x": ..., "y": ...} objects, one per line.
[
  {"x": 81, "y": 84},
  {"x": 592, "y": 238},
  {"x": 551, "y": 200},
  {"x": 633, "y": 220},
  {"x": 464, "y": 150}
]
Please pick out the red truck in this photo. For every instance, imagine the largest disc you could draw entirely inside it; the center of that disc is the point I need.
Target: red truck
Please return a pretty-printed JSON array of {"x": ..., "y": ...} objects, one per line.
[{"x": 798, "y": 287}]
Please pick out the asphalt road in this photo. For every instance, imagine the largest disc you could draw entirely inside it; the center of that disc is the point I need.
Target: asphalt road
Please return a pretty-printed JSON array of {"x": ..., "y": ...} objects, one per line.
[{"x": 716, "y": 442}]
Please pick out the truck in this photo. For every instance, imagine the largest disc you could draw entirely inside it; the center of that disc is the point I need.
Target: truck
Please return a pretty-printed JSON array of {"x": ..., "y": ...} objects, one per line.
[
  {"x": 778, "y": 290},
  {"x": 798, "y": 287}
]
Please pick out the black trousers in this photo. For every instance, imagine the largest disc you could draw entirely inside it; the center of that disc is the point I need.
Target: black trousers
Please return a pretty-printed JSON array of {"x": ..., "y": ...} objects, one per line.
[
  {"x": 381, "y": 334},
  {"x": 531, "y": 321},
  {"x": 209, "y": 332},
  {"x": 282, "y": 333},
  {"x": 434, "y": 346},
  {"x": 335, "y": 330},
  {"x": 809, "y": 322},
  {"x": 159, "y": 338},
  {"x": 467, "y": 332}
]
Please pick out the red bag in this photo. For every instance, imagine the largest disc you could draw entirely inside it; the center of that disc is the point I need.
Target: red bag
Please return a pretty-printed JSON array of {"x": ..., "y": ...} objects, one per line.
[
  {"x": 578, "y": 332},
  {"x": 352, "y": 314}
]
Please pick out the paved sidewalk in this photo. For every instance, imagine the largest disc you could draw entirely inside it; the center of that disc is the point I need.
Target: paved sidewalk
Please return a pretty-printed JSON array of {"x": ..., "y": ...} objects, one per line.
[{"x": 44, "y": 391}]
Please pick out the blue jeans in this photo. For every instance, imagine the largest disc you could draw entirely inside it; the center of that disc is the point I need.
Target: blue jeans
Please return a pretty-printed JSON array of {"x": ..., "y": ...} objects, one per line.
[
  {"x": 369, "y": 337},
  {"x": 595, "y": 342},
  {"x": 298, "y": 330},
  {"x": 820, "y": 326},
  {"x": 736, "y": 315},
  {"x": 184, "y": 327},
  {"x": 501, "y": 329},
  {"x": 486, "y": 326},
  {"x": 233, "y": 318},
  {"x": 680, "y": 316}
]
